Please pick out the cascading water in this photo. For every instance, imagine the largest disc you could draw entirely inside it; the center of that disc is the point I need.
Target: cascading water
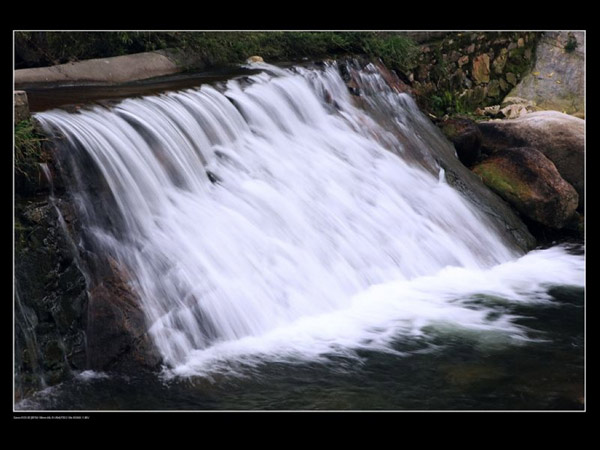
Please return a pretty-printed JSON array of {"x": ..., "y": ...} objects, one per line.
[{"x": 271, "y": 215}]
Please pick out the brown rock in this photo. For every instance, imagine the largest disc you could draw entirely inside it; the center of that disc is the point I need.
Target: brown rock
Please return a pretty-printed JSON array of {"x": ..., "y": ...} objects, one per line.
[
  {"x": 117, "y": 330},
  {"x": 392, "y": 79},
  {"x": 463, "y": 60},
  {"x": 481, "y": 68},
  {"x": 560, "y": 137},
  {"x": 529, "y": 181}
]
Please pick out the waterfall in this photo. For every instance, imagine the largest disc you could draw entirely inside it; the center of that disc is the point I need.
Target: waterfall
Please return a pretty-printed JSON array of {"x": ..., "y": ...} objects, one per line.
[{"x": 276, "y": 210}]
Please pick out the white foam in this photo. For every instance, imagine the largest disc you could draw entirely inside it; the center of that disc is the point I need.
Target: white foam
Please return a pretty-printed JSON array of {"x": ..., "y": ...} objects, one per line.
[
  {"x": 88, "y": 375},
  {"x": 388, "y": 313}
]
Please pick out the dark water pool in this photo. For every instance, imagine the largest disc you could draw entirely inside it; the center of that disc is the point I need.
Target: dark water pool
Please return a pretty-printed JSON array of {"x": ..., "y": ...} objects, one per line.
[{"x": 444, "y": 370}]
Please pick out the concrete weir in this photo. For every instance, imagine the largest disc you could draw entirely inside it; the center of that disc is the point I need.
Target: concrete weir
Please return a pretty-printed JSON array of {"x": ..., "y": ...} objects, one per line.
[
  {"x": 118, "y": 77},
  {"x": 117, "y": 69}
]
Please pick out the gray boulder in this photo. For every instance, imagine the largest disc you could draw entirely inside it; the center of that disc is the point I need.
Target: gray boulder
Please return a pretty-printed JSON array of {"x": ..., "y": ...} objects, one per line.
[{"x": 557, "y": 79}]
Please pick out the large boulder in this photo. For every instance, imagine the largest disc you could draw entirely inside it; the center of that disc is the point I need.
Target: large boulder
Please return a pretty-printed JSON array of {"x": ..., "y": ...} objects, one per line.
[
  {"x": 529, "y": 181},
  {"x": 557, "y": 79},
  {"x": 560, "y": 137}
]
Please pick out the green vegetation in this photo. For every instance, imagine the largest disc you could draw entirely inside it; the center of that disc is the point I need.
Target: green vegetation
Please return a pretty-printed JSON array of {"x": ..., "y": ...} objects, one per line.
[
  {"x": 442, "y": 102},
  {"x": 397, "y": 52},
  {"x": 571, "y": 44},
  {"x": 28, "y": 151},
  {"x": 34, "y": 49},
  {"x": 503, "y": 183},
  {"x": 452, "y": 103}
]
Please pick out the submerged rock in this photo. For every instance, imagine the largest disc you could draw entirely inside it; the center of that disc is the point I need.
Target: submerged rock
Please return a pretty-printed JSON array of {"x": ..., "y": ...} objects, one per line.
[
  {"x": 560, "y": 137},
  {"x": 531, "y": 184}
]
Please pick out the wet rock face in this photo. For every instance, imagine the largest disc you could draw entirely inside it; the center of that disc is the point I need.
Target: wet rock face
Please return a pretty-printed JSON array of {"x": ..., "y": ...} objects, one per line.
[
  {"x": 51, "y": 299},
  {"x": 68, "y": 316},
  {"x": 531, "y": 184},
  {"x": 117, "y": 329}
]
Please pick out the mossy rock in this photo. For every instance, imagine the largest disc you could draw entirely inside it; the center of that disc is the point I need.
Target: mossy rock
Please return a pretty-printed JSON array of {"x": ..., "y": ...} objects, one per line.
[
  {"x": 508, "y": 185},
  {"x": 530, "y": 182}
]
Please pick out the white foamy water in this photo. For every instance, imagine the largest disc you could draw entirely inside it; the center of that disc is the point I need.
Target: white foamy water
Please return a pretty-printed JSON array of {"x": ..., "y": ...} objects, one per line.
[
  {"x": 402, "y": 310},
  {"x": 88, "y": 375},
  {"x": 313, "y": 236}
]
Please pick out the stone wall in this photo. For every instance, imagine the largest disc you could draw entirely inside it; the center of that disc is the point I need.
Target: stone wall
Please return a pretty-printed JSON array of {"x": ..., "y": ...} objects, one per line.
[{"x": 460, "y": 72}]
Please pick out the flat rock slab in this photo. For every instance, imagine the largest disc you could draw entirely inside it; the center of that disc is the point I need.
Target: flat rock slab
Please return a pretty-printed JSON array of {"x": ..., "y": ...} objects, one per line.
[{"x": 118, "y": 69}]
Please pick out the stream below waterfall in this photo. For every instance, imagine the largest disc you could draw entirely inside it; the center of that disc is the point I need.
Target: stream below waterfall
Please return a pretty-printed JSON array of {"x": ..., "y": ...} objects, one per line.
[{"x": 443, "y": 370}]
